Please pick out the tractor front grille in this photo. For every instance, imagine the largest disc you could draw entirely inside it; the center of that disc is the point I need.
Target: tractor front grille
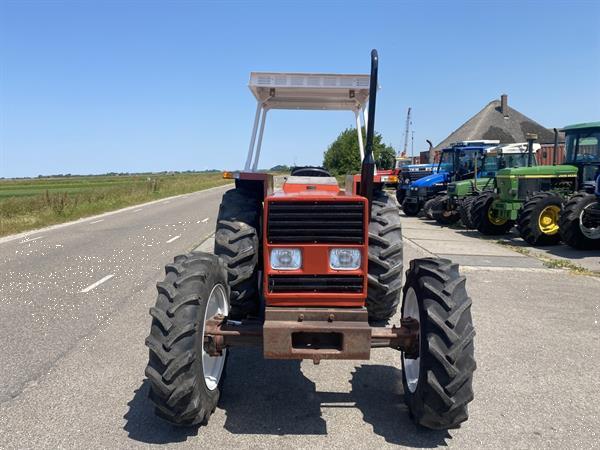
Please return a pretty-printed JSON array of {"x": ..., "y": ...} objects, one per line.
[
  {"x": 315, "y": 222},
  {"x": 315, "y": 283},
  {"x": 417, "y": 175}
]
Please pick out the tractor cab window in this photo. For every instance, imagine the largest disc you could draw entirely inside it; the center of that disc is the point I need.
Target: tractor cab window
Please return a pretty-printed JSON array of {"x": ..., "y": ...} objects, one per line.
[
  {"x": 466, "y": 162},
  {"x": 447, "y": 161},
  {"x": 518, "y": 160},
  {"x": 491, "y": 164},
  {"x": 582, "y": 148}
]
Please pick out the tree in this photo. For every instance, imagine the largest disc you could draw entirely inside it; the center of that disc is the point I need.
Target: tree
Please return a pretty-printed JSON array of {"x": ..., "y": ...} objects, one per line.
[{"x": 343, "y": 155}]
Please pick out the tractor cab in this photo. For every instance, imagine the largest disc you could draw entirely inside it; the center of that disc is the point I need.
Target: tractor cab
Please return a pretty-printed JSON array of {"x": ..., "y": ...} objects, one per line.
[
  {"x": 507, "y": 156},
  {"x": 463, "y": 159},
  {"x": 582, "y": 148}
]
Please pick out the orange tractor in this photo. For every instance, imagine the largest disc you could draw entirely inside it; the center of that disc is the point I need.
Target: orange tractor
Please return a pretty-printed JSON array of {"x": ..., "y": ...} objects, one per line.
[{"x": 310, "y": 271}]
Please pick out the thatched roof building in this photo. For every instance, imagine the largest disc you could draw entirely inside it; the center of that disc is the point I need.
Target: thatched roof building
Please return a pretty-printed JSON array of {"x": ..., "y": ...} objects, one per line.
[{"x": 499, "y": 121}]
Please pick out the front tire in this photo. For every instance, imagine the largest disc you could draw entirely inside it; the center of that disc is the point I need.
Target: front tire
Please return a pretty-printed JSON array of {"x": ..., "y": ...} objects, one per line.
[
  {"x": 442, "y": 214},
  {"x": 465, "y": 212},
  {"x": 237, "y": 243},
  {"x": 411, "y": 209},
  {"x": 185, "y": 382},
  {"x": 573, "y": 224},
  {"x": 438, "y": 384},
  {"x": 400, "y": 195},
  {"x": 429, "y": 206},
  {"x": 484, "y": 217},
  {"x": 538, "y": 220},
  {"x": 385, "y": 258}
]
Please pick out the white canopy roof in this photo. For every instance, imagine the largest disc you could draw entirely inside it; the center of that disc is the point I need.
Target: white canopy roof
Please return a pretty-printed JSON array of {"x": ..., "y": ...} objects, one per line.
[{"x": 311, "y": 91}]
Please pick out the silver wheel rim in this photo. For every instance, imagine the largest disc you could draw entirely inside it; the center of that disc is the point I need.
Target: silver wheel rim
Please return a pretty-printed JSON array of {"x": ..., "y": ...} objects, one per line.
[
  {"x": 590, "y": 233},
  {"x": 411, "y": 366},
  {"x": 212, "y": 366}
]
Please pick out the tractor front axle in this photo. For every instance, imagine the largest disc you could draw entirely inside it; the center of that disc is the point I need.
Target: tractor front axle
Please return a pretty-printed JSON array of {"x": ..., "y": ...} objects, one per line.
[{"x": 311, "y": 333}]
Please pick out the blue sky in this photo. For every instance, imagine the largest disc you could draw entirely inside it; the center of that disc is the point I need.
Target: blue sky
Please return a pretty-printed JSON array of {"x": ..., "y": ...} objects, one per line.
[{"x": 99, "y": 86}]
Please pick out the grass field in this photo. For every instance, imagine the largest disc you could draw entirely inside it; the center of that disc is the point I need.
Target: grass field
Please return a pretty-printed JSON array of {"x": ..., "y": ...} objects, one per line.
[{"x": 33, "y": 203}]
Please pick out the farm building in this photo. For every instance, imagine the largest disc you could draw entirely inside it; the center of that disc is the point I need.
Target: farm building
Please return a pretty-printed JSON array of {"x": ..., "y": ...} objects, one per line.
[{"x": 499, "y": 121}]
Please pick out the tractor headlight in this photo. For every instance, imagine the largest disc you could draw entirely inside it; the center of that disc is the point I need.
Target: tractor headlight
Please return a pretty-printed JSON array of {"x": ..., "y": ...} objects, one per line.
[
  {"x": 414, "y": 189},
  {"x": 344, "y": 258},
  {"x": 286, "y": 258}
]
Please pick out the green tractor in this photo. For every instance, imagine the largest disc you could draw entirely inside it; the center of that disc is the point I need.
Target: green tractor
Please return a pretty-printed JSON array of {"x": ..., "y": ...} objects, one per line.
[
  {"x": 533, "y": 197},
  {"x": 457, "y": 202}
]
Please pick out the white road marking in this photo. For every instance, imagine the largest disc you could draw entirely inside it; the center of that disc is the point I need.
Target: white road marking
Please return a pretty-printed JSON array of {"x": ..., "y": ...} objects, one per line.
[
  {"x": 29, "y": 240},
  {"x": 205, "y": 220},
  {"x": 173, "y": 239},
  {"x": 97, "y": 283},
  {"x": 96, "y": 221}
]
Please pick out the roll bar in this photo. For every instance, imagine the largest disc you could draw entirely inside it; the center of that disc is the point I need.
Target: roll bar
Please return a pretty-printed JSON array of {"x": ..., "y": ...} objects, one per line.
[{"x": 311, "y": 91}]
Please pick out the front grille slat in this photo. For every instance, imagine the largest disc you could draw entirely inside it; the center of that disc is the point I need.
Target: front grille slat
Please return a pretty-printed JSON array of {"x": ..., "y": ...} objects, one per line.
[
  {"x": 315, "y": 222},
  {"x": 315, "y": 283}
]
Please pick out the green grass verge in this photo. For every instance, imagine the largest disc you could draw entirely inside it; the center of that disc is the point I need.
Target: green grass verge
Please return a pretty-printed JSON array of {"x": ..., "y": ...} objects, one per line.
[
  {"x": 551, "y": 263},
  {"x": 35, "y": 203}
]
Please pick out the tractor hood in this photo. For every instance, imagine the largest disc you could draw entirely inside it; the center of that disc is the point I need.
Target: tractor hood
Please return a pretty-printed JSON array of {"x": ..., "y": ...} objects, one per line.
[
  {"x": 430, "y": 180},
  {"x": 563, "y": 170}
]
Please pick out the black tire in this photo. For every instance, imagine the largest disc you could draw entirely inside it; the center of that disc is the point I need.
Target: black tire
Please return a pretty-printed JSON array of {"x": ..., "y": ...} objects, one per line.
[
  {"x": 411, "y": 209},
  {"x": 385, "y": 258},
  {"x": 441, "y": 213},
  {"x": 482, "y": 217},
  {"x": 444, "y": 383},
  {"x": 400, "y": 195},
  {"x": 428, "y": 207},
  {"x": 175, "y": 370},
  {"x": 570, "y": 225},
  {"x": 237, "y": 241},
  {"x": 465, "y": 211},
  {"x": 529, "y": 218}
]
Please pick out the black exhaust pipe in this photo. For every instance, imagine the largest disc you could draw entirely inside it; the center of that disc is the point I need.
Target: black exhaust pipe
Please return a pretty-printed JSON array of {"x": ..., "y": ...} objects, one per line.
[
  {"x": 368, "y": 164},
  {"x": 431, "y": 155},
  {"x": 531, "y": 137},
  {"x": 555, "y": 148}
]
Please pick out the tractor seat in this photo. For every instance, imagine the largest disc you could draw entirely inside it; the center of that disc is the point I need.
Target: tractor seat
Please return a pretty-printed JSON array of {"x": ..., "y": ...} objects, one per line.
[{"x": 309, "y": 171}]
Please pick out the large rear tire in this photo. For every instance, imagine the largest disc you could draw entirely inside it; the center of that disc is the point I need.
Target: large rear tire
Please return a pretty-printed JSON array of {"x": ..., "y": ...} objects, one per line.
[
  {"x": 484, "y": 218},
  {"x": 538, "y": 220},
  {"x": 465, "y": 212},
  {"x": 438, "y": 384},
  {"x": 237, "y": 243},
  {"x": 385, "y": 258},
  {"x": 184, "y": 381},
  {"x": 575, "y": 228}
]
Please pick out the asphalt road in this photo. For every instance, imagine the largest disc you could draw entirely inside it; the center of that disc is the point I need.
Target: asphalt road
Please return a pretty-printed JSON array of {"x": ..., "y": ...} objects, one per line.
[
  {"x": 45, "y": 305},
  {"x": 73, "y": 363}
]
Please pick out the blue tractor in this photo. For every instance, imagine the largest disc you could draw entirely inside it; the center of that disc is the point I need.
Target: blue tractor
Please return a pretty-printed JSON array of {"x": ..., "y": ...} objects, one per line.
[
  {"x": 458, "y": 162},
  {"x": 410, "y": 173}
]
